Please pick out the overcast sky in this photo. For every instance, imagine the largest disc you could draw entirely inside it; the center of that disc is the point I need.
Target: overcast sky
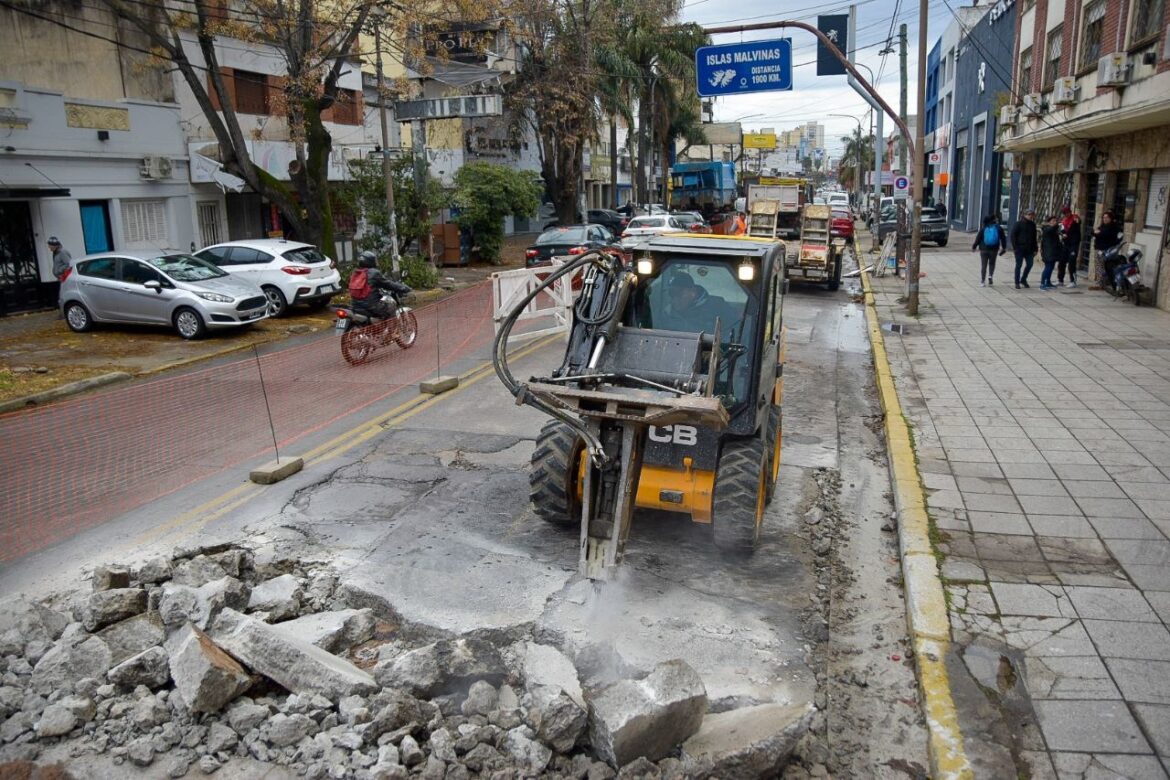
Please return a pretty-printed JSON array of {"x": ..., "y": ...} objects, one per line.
[{"x": 814, "y": 97}]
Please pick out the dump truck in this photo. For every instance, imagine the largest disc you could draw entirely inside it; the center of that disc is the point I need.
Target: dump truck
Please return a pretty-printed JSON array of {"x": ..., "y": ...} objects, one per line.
[
  {"x": 789, "y": 195},
  {"x": 668, "y": 396},
  {"x": 702, "y": 186}
]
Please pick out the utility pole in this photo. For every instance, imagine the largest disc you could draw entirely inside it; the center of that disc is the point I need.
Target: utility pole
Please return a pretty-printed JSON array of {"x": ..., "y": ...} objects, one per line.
[
  {"x": 386, "y": 173},
  {"x": 915, "y": 264},
  {"x": 418, "y": 140},
  {"x": 902, "y": 96}
]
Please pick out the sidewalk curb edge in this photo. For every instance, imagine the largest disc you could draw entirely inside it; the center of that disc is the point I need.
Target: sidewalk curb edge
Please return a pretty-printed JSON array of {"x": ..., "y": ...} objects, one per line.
[
  {"x": 926, "y": 610},
  {"x": 62, "y": 391}
]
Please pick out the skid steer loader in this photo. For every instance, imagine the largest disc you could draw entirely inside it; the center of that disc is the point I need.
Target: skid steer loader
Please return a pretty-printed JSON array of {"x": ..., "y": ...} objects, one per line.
[{"x": 669, "y": 394}]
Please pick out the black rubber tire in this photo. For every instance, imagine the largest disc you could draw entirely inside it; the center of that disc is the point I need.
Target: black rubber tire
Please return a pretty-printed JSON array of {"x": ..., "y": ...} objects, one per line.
[
  {"x": 834, "y": 283},
  {"x": 77, "y": 317},
  {"x": 740, "y": 492},
  {"x": 406, "y": 330},
  {"x": 552, "y": 480},
  {"x": 775, "y": 428},
  {"x": 943, "y": 242},
  {"x": 357, "y": 344},
  {"x": 185, "y": 315},
  {"x": 277, "y": 303}
]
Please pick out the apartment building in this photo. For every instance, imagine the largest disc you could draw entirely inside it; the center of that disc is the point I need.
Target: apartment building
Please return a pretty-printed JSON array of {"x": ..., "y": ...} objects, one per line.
[{"x": 1087, "y": 122}]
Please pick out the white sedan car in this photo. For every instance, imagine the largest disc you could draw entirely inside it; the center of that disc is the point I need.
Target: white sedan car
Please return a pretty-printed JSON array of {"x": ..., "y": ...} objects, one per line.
[
  {"x": 641, "y": 228},
  {"x": 287, "y": 271}
]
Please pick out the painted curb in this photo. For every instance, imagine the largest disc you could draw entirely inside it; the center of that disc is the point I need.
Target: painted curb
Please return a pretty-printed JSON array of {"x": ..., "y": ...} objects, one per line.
[
  {"x": 926, "y": 609},
  {"x": 70, "y": 388}
]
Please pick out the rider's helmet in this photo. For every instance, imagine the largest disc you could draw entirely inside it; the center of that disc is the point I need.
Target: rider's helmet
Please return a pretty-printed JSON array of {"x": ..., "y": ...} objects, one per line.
[{"x": 367, "y": 259}]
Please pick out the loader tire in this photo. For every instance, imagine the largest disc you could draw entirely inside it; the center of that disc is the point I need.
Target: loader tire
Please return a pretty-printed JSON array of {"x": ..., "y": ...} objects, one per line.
[
  {"x": 740, "y": 494},
  {"x": 773, "y": 441},
  {"x": 552, "y": 481}
]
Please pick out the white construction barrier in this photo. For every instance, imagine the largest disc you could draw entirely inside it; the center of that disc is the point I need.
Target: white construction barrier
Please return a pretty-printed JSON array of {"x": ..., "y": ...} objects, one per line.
[{"x": 553, "y": 305}]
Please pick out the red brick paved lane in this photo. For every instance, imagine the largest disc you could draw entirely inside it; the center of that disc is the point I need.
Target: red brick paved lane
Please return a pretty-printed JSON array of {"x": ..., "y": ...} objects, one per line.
[{"x": 76, "y": 464}]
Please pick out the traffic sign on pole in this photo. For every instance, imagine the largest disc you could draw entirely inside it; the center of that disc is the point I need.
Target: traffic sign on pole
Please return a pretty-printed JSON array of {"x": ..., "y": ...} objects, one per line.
[
  {"x": 738, "y": 68},
  {"x": 901, "y": 187}
]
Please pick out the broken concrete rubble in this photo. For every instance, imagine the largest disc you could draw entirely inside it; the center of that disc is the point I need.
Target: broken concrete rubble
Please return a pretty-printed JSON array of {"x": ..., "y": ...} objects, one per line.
[
  {"x": 111, "y": 577},
  {"x": 335, "y": 632},
  {"x": 205, "y": 676},
  {"x": 132, "y": 636},
  {"x": 647, "y": 717},
  {"x": 446, "y": 666},
  {"x": 151, "y": 668},
  {"x": 66, "y": 663},
  {"x": 293, "y": 663},
  {"x": 109, "y": 606},
  {"x": 748, "y": 742},
  {"x": 280, "y": 597}
]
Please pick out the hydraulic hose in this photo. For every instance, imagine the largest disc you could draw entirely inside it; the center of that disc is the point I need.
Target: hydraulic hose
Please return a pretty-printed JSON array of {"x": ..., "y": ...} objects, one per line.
[{"x": 518, "y": 389}]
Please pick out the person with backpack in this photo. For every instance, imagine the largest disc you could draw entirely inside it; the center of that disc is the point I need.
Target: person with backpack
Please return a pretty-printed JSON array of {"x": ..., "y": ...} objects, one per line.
[
  {"x": 991, "y": 243},
  {"x": 366, "y": 284},
  {"x": 1025, "y": 242}
]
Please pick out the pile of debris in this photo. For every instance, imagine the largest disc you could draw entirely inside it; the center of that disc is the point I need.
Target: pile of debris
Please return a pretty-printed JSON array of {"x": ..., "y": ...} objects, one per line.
[{"x": 210, "y": 655}]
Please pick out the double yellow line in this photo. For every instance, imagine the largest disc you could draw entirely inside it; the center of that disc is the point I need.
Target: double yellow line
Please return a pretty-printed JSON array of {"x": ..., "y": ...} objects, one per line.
[{"x": 194, "y": 519}]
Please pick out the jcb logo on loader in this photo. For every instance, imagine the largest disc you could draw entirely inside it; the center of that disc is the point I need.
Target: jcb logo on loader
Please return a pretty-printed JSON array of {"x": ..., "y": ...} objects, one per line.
[{"x": 678, "y": 434}]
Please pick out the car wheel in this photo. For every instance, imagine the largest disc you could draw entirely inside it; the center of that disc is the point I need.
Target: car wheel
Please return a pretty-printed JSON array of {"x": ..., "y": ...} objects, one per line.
[
  {"x": 942, "y": 242},
  {"x": 77, "y": 317},
  {"x": 189, "y": 324},
  {"x": 277, "y": 303}
]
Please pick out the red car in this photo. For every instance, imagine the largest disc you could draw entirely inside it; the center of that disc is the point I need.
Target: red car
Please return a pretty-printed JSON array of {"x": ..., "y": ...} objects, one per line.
[{"x": 841, "y": 224}]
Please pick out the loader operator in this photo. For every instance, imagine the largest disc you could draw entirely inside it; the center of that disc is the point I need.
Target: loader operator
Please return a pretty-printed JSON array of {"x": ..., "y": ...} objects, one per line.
[{"x": 691, "y": 309}]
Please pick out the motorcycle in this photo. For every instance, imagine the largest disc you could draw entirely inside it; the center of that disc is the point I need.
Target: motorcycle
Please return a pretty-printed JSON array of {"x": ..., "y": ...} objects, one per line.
[
  {"x": 362, "y": 334},
  {"x": 1123, "y": 273}
]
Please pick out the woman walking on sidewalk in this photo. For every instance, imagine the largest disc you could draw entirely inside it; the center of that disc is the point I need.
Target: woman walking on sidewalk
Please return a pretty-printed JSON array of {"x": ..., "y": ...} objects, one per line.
[
  {"x": 1024, "y": 244},
  {"x": 991, "y": 242},
  {"x": 1070, "y": 229},
  {"x": 1051, "y": 250}
]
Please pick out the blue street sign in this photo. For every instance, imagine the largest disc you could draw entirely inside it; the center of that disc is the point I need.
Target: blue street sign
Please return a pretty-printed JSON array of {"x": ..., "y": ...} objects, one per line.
[{"x": 739, "y": 68}]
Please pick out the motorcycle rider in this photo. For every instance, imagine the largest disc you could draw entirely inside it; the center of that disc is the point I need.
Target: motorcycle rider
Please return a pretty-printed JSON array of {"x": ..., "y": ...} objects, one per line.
[{"x": 372, "y": 304}]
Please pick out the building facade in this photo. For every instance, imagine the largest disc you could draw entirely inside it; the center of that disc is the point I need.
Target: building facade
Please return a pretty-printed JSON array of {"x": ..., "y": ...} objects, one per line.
[{"x": 1087, "y": 125}]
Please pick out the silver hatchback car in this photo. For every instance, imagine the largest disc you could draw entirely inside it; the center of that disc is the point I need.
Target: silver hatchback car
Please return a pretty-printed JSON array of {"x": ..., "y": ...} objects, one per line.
[{"x": 180, "y": 290}]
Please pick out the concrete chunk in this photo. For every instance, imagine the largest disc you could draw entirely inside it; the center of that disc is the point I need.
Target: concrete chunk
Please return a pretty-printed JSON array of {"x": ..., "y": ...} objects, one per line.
[
  {"x": 111, "y": 577},
  {"x": 293, "y": 663},
  {"x": 196, "y": 571},
  {"x": 647, "y": 717},
  {"x": 544, "y": 665},
  {"x": 110, "y": 606},
  {"x": 29, "y": 621},
  {"x": 205, "y": 676},
  {"x": 66, "y": 663},
  {"x": 150, "y": 668},
  {"x": 336, "y": 632},
  {"x": 446, "y": 666},
  {"x": 280, "y": 597},
  {"x": 559, "y": 721},
  {"x": 155, "y": 570},
  {"x": 132, "y": 636},
  {"x": 751, "y": 742},
  {"x": 182, "y": 603},
  {"x": 438, "y": 385}
]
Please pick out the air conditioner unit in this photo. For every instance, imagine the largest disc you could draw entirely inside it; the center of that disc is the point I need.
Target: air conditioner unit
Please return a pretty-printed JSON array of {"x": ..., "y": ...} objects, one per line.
[
  {"x": 1033, "y": 104},
  {"x": 155, "y": 167},
  {"x": 1078, "y": 156},
  {"x": 1113, "y": 70},
  {"x": 1064, "y": 91},
  {"x": 1009, "y": 115}
]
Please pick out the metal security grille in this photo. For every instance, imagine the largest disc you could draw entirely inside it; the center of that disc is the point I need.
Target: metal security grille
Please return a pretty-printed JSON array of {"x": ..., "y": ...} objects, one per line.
[
  {"x": 1025, "y": 192},
  {"x": 209, "y": 230}
]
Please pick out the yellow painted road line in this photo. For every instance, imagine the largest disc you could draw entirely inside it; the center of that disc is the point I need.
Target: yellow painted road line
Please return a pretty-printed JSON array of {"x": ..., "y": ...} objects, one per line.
[
  {"x": 194, "y": 519},
  {"x": 926, "y": 609}
]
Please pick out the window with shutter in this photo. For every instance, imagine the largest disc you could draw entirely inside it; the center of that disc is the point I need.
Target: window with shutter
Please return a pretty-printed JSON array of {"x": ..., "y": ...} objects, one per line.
[
  {"x": 1159, "y": 193},
  {"x": 144, "y": 223},
  {"x": 1052, "y": 60},
  {"x": 1091, "y": 32}
]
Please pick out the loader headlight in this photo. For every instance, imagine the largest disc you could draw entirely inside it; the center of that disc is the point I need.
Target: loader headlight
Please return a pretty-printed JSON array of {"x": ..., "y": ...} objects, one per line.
[
  {"x": 747, "y": 271},
  {"x": 645, "y": 266}
]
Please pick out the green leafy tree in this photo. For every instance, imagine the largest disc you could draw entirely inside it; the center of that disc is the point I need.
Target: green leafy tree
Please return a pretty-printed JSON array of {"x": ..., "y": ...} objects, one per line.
[
  {"x": 856, "y": 159},
  {"x": 485, "y": 194},
  {"x": 364, "y": 195}
]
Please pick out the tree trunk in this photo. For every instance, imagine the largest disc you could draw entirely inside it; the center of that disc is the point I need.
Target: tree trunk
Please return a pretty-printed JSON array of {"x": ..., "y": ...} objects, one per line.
[{"x": 613, "y": 162}]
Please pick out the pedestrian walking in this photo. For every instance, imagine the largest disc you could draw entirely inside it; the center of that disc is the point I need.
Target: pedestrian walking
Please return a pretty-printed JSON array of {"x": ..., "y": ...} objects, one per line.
[
  {"x": 1070, "y": 230},
  {"x": 1105, "y": 237},
  {"x": 1025, "y": 242},
  {"x": 1051, "y": 250},
  {"x": 991, "y": 243},
  {"x": 61, "y": 258}
]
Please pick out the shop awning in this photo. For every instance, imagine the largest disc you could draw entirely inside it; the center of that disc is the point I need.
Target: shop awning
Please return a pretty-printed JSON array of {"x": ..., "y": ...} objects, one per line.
[{"x": 34, "y": 192}]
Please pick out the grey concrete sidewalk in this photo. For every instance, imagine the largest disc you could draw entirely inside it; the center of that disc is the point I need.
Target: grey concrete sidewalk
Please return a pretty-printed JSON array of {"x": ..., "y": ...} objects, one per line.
[{"x": 1042, "y": 426}]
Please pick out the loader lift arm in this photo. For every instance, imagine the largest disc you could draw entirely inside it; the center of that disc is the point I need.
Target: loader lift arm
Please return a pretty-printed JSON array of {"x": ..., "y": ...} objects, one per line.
[{"x": 614, "y": 383}]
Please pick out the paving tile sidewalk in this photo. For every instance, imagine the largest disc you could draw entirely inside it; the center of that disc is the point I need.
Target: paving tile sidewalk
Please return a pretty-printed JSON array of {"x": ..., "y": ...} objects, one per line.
[{"x": 1042, "y": 427}]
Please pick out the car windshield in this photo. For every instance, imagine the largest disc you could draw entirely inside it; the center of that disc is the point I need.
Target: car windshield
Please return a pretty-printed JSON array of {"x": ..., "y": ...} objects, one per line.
[
  {"x": 647, "y": 222},
  {"x": 185, "y": 268},
  {"x": 840, "y": 214},
  {"x": 305, "y": 255},
  {"x": 565, "y": 235},
  {"x": 687, "y": 219}
]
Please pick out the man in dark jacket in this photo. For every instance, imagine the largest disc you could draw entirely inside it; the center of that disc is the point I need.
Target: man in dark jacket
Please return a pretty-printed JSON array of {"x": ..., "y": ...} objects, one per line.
[
  {"x": 1107, "y": 235},
  {"x": 991, "y": 243},
  {"x": 372, "y": 304},
  {"x": 1025, "y": 242},
  {"x": 1051, "y": 250},
  {"x": 1070, "y": 231}
]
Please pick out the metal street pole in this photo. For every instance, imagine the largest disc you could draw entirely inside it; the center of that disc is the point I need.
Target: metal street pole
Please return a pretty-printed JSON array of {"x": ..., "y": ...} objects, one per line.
[
  {"x": 857, "y": 187},
  {"x": 650, "y": 178},
  {"x": 386, "y": 173},
  {"x": 915, "y": 260}
]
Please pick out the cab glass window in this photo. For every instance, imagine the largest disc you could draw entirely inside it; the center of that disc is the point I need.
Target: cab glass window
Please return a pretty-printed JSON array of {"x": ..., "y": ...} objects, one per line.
[
  {"x": 245, "y": 255},
  {"x": 101, "y": 268},
  {"x": 134, "y": 272}
]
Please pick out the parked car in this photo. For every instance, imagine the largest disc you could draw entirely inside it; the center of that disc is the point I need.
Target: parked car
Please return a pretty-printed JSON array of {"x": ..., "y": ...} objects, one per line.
[
  {"x": 838, "y": 199},
  {"x": 640, "y": 227},
  {"x": 185, "y": 292},
  {"x": 287, "y": 271},
  {"x": 841, "y": 223},
  {"x": 885, "y": 203},
  {"x": 610, "y": 219},
  {"x": 566, "y": 240},
  {"x": 692, "y": 221},
  {"x": 934, "y": 225}
]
